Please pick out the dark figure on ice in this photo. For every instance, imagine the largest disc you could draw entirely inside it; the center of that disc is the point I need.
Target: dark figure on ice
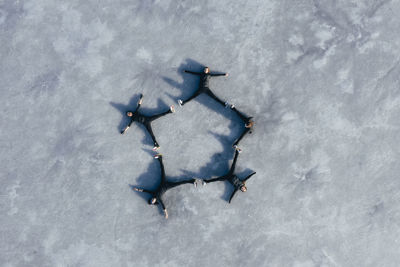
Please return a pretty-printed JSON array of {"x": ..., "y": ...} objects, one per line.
[
  {"x": 156, "y": 195},
  {"x": 204, "y": 86},
  {"x": 232, "y": 178},
  {"x": 145, "y": 120},
  {"x": 248, "y": 126}
]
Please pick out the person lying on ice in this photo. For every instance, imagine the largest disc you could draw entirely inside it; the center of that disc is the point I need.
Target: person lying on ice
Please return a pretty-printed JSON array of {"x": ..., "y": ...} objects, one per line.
[
  {"x": 203, "y": 86},
  {"x": 156, "y": 195},
  {"x": 146, "y": 120},
  {"x": 232, "y": 178}
]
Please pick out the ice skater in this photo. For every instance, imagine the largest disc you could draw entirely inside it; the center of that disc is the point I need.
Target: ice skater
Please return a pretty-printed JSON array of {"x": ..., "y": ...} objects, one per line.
[
  {"x": 156, "y": 195},
  {"x": 248, "y": 126},
  {"x": 232, "y": 178},
  {"x": 203, "y": 86},
  {"x": 145, "y": 120}
]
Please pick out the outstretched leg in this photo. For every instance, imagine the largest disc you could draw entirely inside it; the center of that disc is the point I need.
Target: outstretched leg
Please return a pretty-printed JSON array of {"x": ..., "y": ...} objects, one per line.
[
  {"x": 152, "y": 118},
  {"x": 241, "y": 137},
  {"x": 174, "y": 184},
  {"x": 234, "y": 162},
  {"x": 159, "y": 157},
  {"x": 211, "y": 94},
  {"x": 183, "y": 102},
  {"x": 165, "y": 213},
  {"x": 222, "y": 178},
  {"x": 241, "y": 115},
  {"x": 147, "y": 124}
]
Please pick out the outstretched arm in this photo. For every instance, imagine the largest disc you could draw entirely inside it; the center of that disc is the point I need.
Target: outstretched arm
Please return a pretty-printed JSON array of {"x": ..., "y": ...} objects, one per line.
[
  {"x": 138, "y": 106},
  {"x": 248, "y": 177},
  {"x": 140, "y": 101},
  {"x": 233, "y": 193},
  {"x": 163, "y": 207},
  {"x": 219, "y": 74},
  {"x": 140, "y": 189},
  {"x": 234, "y": 161},
  {"x": 127, "y": 127},
  {"x": 192, "y": 72}
]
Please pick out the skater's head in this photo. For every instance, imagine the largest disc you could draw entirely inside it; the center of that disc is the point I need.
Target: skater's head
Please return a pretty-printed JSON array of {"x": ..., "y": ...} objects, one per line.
[
  {"x": 153, "y": 201},
  {"x": 129, "y": 113},
  {"x": 206, "y": 70},
  {"x": 243, "y": 188}
]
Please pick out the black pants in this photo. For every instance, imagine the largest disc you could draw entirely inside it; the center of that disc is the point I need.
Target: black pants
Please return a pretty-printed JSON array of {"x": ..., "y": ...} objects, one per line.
[
  {"x": 246, "y": 130},
  {"x": 241, "y": 115},
  {"x": 221, "y": 178},
  {"x": 207, "y": 91},
  {"x": 147, "y": 124}
]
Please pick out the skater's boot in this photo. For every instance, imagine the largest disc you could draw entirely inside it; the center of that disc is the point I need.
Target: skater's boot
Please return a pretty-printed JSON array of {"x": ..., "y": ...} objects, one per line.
[
  {"x": 237, "y": 148},
  {"x": 136, "y": 189},
  {"x": 165, "y": 214}
]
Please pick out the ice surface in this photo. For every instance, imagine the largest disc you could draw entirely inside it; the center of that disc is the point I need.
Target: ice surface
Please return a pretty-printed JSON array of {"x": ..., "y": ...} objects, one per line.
[{"x": 321, "y": 79}]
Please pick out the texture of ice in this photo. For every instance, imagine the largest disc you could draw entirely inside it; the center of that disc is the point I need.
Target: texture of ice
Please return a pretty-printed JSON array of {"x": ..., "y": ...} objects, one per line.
[{"x": 321, "y": 79}]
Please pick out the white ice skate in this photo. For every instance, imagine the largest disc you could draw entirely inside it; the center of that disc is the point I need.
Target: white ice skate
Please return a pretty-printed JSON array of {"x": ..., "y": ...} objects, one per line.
[{"x": 237, "y": 149}]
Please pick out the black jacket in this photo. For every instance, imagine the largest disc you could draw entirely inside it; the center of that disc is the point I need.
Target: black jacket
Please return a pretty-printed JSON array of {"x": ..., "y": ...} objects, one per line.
[{"x": 204, "y": 77}]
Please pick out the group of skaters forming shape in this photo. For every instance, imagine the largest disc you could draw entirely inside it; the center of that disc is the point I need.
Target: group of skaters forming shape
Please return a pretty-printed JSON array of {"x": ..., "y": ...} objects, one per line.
[{"x": 157, "y": 194}]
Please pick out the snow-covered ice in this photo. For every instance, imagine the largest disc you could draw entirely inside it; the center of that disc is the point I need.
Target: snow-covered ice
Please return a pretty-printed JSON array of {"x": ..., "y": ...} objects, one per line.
[{"x": 321, "y": 79}]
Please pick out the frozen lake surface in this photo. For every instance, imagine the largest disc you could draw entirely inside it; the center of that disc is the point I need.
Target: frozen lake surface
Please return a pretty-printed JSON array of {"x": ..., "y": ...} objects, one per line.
[{"x": 320, "y": 78}]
